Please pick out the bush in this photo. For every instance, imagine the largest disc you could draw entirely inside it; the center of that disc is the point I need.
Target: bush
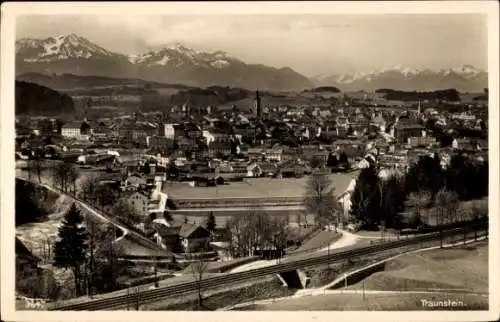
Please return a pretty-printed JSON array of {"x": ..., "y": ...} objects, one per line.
[{"x": 37, "y": 283}]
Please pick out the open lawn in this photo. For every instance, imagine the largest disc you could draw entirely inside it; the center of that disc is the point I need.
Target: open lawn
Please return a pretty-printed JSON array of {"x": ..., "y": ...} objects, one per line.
[
  {"x": 460, "y": 268},
  {"x": 254, "y": 188},
  {"x": 322, "y": 239},
  {"x": 379, "y": 302},
  {"x": 454, "y": 274}
]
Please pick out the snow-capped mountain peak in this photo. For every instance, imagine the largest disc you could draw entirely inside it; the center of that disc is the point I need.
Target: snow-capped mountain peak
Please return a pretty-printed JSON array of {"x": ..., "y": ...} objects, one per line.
[
  {"x": 58, "y": 48},
  {"x": 406, "y": 77},
  {"x": 178, "y": 54}
]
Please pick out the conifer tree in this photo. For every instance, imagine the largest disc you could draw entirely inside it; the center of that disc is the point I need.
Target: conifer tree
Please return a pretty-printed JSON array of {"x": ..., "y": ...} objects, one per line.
[
  {"x": 70, "y": 249},
  {"x": 211, "y": 222},
  {"x": 365, "y": 199}
]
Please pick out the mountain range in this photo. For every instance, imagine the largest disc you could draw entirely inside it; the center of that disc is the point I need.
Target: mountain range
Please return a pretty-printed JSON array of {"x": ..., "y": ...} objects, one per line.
[
  {"x": 464, "y": 79},
  {"x": 177, "y": 64}
]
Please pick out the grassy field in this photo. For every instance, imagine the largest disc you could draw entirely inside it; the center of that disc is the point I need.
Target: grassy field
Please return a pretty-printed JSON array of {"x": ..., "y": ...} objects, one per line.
[
  {"x": 379, "y": 302},
  {"x": 461, "y": 268},
  {"x": 318, "y": 241},
  {"x": 254, "y": 188},
  {"x": 459, "y": 273}
]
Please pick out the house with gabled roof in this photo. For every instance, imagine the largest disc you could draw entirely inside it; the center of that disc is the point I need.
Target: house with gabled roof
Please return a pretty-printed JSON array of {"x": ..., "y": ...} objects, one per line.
[{"x": 186, "y": 238}]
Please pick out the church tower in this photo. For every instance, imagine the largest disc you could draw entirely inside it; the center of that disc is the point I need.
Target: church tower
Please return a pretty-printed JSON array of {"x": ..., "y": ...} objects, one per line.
[{"x": 258, "y": 108}]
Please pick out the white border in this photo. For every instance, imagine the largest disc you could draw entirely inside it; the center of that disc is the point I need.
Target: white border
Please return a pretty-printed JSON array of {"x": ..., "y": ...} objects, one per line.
[{"x": 11, "y": 10}]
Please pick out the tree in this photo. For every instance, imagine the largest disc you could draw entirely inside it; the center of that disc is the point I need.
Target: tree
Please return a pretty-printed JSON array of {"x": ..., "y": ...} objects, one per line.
[
  {"x": 365, "y": 199},
  {"x": 426, "y": 174},
  {"x": 89, "y": 188},
  {"x": 65, "y": 176},
  {"x": 28, "y": 205},
  {"x": 198, "y": 270},
  {"x": 444, "y": 202},
  {"x": 319, "y": 199},
  {"x": 122, "y": 210},
  {"x": 332, "y": 161},
  {"x": 167, "y": 216},
  {"x": 211, "y": 222},
  {"x": 35, "y": 167},
  {"x": 104, "y": 195},
  {"x": 250, "y": 231},
  {"x": 392, "y": 200},
  {"x": 417, "y": 201},
  {"x": 317, "y": 162},
  {"x": 38, "y": 168},
  {"x": 343, "y": 160},
  {"x": 70, "y": 249},
  {"x": 467, "y": 177},
  {"x": 104, "y": 269}
]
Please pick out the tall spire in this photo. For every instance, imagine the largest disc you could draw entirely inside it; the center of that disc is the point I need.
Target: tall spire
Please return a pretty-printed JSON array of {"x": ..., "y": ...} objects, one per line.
[{"x": 257, "y": 104}]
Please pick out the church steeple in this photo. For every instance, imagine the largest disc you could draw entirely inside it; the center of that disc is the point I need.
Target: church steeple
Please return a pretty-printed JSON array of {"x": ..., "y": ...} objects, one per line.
[{"x": 258, "y": 109}]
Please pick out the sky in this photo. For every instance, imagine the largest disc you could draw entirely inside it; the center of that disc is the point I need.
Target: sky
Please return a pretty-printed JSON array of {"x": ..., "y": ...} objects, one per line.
[{"x": 309, "y": 44}]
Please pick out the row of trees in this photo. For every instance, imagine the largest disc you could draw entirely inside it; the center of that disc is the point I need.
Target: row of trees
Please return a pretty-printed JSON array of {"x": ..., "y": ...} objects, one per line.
[
  {"x": 464, "y": 175},
  {"x": 376, "y": 202},
  {"x": 87, "y": 250},
  {"x": 255, "y": 231}
]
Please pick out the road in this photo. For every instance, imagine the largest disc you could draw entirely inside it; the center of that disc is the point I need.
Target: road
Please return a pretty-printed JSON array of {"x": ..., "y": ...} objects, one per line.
[{"x": 150, "y": 296}]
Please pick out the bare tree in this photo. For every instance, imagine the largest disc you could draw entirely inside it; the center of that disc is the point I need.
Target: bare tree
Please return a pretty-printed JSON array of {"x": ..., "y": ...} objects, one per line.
[
  {"x": 122, "y": 210},
  {"x": 446, "y": 203},
  {"x": 65, "y": 176},
  {"x": 38, "y": 169},
  {"x": 89, "y": 187},
  {"x": 319, "y": 198},
  {"x": 198, "y": 269},
  {"x": 417, "y": 201},
  {"x": 250, "y": 231}
]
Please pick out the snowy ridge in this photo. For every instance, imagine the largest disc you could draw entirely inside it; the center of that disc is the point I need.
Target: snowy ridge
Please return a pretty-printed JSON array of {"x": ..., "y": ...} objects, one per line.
[
  {"x": 466, "y": 71},
  {"x": 63, "y": 47},
  {"x": 58, "y": 48}
]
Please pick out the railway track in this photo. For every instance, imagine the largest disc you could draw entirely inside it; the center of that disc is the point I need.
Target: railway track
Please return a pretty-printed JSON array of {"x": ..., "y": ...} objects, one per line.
[{"x": 150, "y": 296}]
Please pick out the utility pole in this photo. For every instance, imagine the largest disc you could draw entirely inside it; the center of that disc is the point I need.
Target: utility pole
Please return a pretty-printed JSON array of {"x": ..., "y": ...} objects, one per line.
[
  {"x": 363, "y": 290},
  {"x": 156, "y": 272}
]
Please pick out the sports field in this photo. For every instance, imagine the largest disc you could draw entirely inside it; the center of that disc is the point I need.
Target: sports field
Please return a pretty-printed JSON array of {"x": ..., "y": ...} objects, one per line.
[{"x": 254, "y": 188}]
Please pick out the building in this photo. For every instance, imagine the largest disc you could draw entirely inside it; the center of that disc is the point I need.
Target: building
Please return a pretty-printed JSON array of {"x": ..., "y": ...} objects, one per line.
[
  {"x": 403, "y": 131},
  {"x": 136, "y": 132},
  {"x": 421, "y": 141},
  {"x": 78, "y": 130},
  {"x": 46, "y": 127},
  {"x": 160, "y": 143},
  {"x": 352, "y": 148},
  {"x": 219, "y": 149},
  {"x": 464, "y": 144},
  {"x": 273, "y": 154},
  {"x": 168, "y": 131},
  {"x": 186, "y": 238}
]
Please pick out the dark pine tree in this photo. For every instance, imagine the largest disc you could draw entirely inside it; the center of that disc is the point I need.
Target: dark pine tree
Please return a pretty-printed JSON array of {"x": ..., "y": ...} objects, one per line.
[
  {"x": 71, "y": 247},
  {"x": 211, "y": 222},
  {"x": 343, "y": 160},
  {"x": 332, "y": 161},
  {"x": 365, "y": 199},
  {"x": 426, "y": 174},
  {"x": 393, "y": 198}
]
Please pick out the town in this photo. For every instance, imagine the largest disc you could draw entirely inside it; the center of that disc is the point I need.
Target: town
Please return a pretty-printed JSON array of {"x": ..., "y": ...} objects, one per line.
[
  {"x": 251, "y": 163},
  {"x": 191, "y": 178}
]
